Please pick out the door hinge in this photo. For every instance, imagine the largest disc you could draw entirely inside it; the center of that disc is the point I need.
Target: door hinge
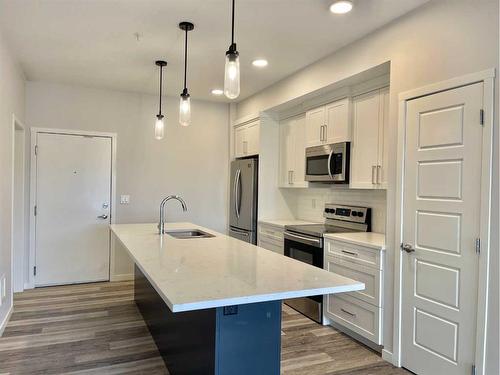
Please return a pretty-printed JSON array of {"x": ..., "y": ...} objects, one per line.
[
  {"x": 473, "y": 370},
  {"x": 36, "y": 150},
  {"x": 478, "y": 245},
  {"x": 34, "y": 271},
  {"x": 34, "y": 210},
  {"x": 481, "y": 116}
]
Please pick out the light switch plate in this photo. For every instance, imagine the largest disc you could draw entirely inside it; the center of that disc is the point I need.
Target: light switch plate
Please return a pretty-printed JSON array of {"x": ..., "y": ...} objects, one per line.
[{"x": 124, "y": 199}]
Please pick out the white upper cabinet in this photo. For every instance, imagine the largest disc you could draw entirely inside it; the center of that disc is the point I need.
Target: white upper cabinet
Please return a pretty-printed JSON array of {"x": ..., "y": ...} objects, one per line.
[
  {"x": 329, "y": 123},
  {"x": 292, "y": 152},
  {"x": 246, "y": 139},
  {"x": 369, "y": 149}
]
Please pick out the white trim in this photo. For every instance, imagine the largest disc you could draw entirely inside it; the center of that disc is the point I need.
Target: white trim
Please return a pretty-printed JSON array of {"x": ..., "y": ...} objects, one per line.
[
  {"x": 245, "y": 119},
  {"x": 122, "y": 277},
  {"x": 34, "y": 133},
  {"x": 16, "y": 125},
  {"x": 6, "y": 319},
  {"x": 386, "y": 355},
  {"x": 487, "y": 77}
]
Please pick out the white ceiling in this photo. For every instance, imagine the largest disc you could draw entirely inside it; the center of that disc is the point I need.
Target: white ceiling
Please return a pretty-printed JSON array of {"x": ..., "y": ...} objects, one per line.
[{"x": 92, "y": 42}]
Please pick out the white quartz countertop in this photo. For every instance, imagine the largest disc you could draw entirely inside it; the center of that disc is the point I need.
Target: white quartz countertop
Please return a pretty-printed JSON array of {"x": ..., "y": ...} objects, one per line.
[
  {"x": 369, "y": 239},
  {"x": 282, "y": 222},
  {"x": 193, "y": 274}
]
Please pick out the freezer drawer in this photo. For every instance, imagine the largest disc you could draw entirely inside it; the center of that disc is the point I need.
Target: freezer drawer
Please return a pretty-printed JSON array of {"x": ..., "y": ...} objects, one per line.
[{"x": 247, "y": 236}]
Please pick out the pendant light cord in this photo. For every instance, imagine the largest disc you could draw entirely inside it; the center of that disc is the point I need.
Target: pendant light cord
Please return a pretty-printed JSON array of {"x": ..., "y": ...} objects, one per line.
[
  {"x": 185, "y": 59},
  {"x": 161, "y": 88},
  {"x": 232, "y": 26}
]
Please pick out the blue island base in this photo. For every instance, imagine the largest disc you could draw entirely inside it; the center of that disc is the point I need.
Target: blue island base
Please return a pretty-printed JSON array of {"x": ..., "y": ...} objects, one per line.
[{"x": 241, "y": 339}]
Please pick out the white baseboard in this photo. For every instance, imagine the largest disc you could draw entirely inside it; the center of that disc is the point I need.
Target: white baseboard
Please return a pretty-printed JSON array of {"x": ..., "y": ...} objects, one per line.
[
  {"x": 28, "y": 286},
  {"x": 6, "y": 320},
  {"x": 122, "y": 277},
  {"x": 387, "y": 356}
]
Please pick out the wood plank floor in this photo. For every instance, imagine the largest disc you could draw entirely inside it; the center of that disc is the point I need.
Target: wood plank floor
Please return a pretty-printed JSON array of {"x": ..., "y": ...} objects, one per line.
[{"x": 97, "y": 329}]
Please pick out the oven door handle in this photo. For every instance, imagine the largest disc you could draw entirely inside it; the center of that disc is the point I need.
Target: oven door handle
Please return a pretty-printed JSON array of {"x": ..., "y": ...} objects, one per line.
[
  {"x": 330, "y": 165},
  {"x": 316, "y": 242}
]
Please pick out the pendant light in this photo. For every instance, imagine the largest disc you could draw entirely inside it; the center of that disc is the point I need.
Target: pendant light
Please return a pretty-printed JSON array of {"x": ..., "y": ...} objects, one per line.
[
  {"x": 185, "y": 103},
  {"x": 232, "y": 70},
  {"x": 160, "y": 124}
]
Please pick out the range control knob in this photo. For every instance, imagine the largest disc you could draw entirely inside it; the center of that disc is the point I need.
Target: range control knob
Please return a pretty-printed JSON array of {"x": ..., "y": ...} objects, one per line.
[
  {"x": 354, "y": 213},
  {"x": 361, "y": 214}
]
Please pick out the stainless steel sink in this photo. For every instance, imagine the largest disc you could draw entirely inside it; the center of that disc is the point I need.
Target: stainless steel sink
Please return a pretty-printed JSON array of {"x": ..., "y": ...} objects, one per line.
[{"x": 188, "y": 233}]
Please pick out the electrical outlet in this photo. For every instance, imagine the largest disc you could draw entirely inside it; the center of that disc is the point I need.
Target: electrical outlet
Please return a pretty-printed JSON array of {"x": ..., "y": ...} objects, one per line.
[{"x": 124, "y": 199}]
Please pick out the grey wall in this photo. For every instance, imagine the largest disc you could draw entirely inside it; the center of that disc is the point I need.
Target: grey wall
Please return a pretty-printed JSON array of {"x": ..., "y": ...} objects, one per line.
[
  {"x": 441, "y": 40},
  {"x": 189, "y": 161},
  {"x": 11, "y": 102}
]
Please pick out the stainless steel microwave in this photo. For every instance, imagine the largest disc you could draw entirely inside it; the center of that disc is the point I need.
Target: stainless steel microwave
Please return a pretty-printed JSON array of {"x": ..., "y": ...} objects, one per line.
[{"x": 328, "y": 163}]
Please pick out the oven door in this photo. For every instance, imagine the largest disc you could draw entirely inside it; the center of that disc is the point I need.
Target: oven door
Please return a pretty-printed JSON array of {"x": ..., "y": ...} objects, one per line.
[{"x": 308, "y": 250}]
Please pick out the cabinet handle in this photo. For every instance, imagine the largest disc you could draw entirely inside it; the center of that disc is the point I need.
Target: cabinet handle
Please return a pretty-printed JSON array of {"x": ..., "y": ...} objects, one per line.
[
  {"x": 291, "y": 174},
  {"x": 348, "y": 312},
  {"x": 350, "y": 253},
  {"x": 289, "y": 180},
  {"x": 373, "y": 174},
  {"x": 378, "y": 173},
  {"x": 321, "y": 133},
  {"x": 325, "y": 132}
]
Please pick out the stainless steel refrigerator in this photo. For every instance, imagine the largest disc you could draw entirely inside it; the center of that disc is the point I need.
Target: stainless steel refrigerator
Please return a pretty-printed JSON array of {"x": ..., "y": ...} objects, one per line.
[{"x": 243, "y": 200}]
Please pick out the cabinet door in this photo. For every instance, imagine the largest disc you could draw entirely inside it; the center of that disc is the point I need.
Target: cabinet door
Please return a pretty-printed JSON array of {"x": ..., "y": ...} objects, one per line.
[
  {"x": 298, "y": 152},
  {"x": 252, "y": 138},
  {"x": 338, "y": 121},
  {"x": 364, "y": 147},
  {"x": 383, "y": 145},
  {"x": 286, "y": 159},
  {"x": 239, "y": 141},
  {"x": 315, "y": 125}
]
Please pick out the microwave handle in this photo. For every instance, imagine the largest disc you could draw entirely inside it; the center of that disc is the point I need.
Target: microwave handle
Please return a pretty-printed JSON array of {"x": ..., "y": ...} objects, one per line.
[{"x": 330, "y": 165}]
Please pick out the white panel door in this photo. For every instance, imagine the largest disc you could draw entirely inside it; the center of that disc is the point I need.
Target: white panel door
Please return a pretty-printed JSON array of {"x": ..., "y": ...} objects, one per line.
[
  {"x": 441, "y": 223},
  {"x": 286, "y": 152},
  {"x": 73, "y": 193},
  {"x": 299, "y": 152}
]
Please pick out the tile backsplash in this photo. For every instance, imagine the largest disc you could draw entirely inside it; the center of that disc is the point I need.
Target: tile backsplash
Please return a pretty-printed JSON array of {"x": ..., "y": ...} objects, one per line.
[{"x": 308, "y": 204}]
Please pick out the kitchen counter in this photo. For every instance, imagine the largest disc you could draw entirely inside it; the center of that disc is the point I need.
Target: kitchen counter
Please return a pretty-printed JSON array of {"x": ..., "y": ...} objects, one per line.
[
  {"x": 367, "y": 239},
  {"x": 281, "y": 223},
  {"x": 213, "y": 305},
  {"x": 192, "y": 274}
]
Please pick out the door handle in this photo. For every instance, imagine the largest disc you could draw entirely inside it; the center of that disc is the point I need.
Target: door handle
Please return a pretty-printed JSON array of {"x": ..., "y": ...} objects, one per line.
[
  {"x": 104, "y": 216},
  {"x": 407, "y": 247},
  {"x": 236, "y": 193}
]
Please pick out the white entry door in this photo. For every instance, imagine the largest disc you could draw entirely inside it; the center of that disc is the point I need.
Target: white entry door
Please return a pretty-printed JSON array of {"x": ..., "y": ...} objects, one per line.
[
  {"x": 441, "y": 223},
  {"x": 73, "y": 206}
]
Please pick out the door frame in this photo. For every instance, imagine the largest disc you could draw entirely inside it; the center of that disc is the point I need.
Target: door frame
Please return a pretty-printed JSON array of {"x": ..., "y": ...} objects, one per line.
[
  {"x": 488, "y": 79},
  {"x": 33, "y": 174},
  {"x": 17, "y": 125}
]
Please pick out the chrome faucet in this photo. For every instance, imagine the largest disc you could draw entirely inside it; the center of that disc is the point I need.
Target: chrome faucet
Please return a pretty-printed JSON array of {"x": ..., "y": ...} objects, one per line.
[{"x": 161, "y": 224}]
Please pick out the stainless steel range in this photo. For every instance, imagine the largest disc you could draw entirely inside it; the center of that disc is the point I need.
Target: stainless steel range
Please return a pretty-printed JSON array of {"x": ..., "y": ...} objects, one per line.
[{"x": 305, "y": 243}]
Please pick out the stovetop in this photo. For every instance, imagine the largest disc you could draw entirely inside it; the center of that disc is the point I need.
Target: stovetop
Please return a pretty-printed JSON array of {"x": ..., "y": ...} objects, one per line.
[{"x": 318, "y": 230}]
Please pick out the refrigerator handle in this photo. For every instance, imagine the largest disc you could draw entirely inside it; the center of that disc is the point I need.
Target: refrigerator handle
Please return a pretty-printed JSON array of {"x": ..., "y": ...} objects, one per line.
[{"x": 237, "y": 193}]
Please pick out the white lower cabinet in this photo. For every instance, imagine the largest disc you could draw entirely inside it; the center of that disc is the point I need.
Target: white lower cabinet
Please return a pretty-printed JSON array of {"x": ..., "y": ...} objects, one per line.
[
  {"x": 270, "y": 237},
  {"x": 361, "y": 311}
]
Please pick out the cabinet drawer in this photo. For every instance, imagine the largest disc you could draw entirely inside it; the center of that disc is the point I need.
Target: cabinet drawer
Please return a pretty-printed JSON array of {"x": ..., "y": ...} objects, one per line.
[
  {"x": 357, "y": 254},
  {"x": 271, "y": 232},
  {"x": 369, "y": 276},
  {"x": 271, "y": 245},
  {"x": 356, "y": 315}
]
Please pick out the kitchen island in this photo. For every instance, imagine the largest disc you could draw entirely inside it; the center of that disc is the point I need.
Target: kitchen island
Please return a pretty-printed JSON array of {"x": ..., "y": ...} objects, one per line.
[{"x": 213, "y": 303}]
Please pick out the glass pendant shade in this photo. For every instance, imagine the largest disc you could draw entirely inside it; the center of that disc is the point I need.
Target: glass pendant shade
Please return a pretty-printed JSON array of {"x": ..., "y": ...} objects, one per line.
[
  {"x": 159, "y": 127},
  {"x": 232, "y": 75},
  {"x": 185, "y": 110}
]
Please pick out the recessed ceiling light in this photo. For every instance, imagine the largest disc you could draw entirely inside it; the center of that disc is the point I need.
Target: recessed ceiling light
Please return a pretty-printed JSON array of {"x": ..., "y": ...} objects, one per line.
[
  {"x": 341, "y": 7},
  {"x": 260, "y": 63},
  {"x": 217, "y": 92}
]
